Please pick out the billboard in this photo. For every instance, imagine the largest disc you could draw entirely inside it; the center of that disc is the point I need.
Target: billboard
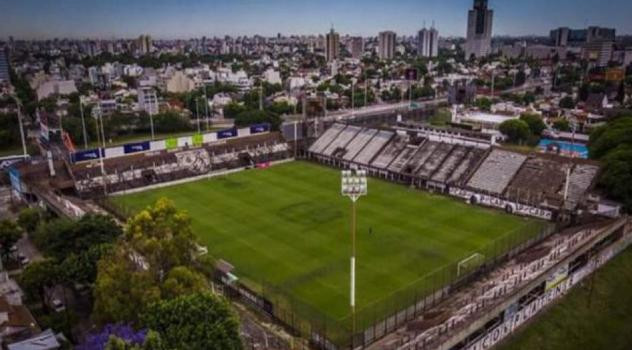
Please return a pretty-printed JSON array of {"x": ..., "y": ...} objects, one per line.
[
  {"x": 171, "y": 143},
  {"x": 14, "y": 176},
  {"x": 259, "y": 128},
  {"x": 136, "y": 147},
  {"x": 90, "y": 154},
  {"x": 224, "y": 134},
  {"x": 411, "y": 74},
  {"x": 197, "y": 140},
  {"x": 615, "y": 74}
]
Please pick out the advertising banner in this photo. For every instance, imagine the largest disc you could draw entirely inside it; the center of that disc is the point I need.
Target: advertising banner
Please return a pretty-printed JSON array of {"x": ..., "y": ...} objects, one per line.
[
  {"x": 227, "y": 133},
  {"x": 90, "y": 154},
  {"x": 171, "y": 143},
  {"x": 259, "y": 128},
  {"x": 14, "y": 176},
  {"x": 197, "y": 140},
  {"x": 136, "y": 147}
]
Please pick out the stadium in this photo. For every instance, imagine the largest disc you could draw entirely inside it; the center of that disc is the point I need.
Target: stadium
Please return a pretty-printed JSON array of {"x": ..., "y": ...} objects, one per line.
[{"x": 449, "y": 217}]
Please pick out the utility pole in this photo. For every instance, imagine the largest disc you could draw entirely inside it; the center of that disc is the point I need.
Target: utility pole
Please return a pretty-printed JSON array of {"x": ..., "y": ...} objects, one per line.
[
  {"x": 18, "y": 103},
  {"x": 261, "y": 94},
  {"x": 83, "y": 124},
  {"x": 206, "y": 104},
  {"x": 197, "y": 114}
]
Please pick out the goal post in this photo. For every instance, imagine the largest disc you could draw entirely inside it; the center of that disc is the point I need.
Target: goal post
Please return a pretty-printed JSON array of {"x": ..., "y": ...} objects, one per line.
[{"x": 470, "y": 263}]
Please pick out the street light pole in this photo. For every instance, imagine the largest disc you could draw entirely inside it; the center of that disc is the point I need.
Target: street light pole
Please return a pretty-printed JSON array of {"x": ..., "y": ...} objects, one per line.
[
  {"x": 83, "y": 124},
  {"x": 18, "y": 103},
  {"x": 354, "y": 186},
  {"x": 96, "y": 113}
]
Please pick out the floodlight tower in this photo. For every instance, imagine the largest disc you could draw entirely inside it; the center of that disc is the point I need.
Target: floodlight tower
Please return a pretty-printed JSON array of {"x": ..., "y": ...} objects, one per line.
[{"x": 354, "y": 186}]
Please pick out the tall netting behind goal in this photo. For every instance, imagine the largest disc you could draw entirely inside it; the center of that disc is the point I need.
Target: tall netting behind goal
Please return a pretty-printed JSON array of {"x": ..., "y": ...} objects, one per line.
[{"x": 470, "y": 263}]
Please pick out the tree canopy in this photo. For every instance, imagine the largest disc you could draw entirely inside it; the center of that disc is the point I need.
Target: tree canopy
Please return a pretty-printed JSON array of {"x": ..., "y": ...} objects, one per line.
[
  {"x": 154, "y": 261},
  {"x": 516, "y": 130},
  {"x": 197, "y": 321},
  {"x": 612, "y": 144}
]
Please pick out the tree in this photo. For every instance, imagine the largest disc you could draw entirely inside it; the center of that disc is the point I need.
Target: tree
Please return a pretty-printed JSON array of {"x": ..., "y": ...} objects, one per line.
[
  {"x": 182, "y": 280},
  {"x": 112, "y": 336},
  {"x": 612, "y": 144},
  {"x": 516, "y": 130},
  {"x": 10, "y": 233},
  {"x": 484, "y": 104},
  {"x": 197, "y": 321},
  {"x": 562, "y": 125},
  {"x": 567, "y": 103},
  {"x": 155, "y": 259},
  {"x": 39, "y": 278},
  {"x": 60, "y": 238},
  {"x": 535, "y": 122}
]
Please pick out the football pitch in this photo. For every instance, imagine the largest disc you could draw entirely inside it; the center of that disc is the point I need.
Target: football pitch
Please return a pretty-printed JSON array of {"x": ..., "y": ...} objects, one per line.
[{"x": 287, "y": 229}]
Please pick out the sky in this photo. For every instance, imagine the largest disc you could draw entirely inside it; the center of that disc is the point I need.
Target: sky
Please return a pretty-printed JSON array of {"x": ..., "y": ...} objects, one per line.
[{"x": 168, "y": 19}]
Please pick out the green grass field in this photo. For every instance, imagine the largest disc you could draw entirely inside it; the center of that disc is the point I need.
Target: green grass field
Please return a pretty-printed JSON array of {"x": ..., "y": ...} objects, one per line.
[
  {"x": 288, "y": 227},
  {"x": 600, "y": 319}
]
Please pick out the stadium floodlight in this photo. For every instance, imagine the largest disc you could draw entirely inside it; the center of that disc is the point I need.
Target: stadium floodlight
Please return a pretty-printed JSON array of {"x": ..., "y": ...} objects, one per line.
[{"x": 354, "y": 186}]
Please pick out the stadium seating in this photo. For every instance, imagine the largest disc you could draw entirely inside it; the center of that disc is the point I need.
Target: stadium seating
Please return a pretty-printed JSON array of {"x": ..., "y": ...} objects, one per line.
[
  {"x": 539, "y": 179},
  {"x": 435, "y": 160},
  {"x": 373, "y": 147},
  {"x": 420, "y": 157},
  {"x": 325, "y": 139},
  {"x": 467, "y": 166},
  {"x": 581, "y": 178},
  {"x": 449, "y": 165},
  {"x": 141, "y": 170},
  {"x": 496, "y": 171},
  {"x": 358, "y": 143},
  {"x": 341, "y": 141},
  {"x": 390, "y": 152},
  {"x": 403, "y": 158}
]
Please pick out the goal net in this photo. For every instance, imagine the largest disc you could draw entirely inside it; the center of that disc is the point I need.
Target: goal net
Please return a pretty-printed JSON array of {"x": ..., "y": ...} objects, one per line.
[{"x": 470, "y": 263}]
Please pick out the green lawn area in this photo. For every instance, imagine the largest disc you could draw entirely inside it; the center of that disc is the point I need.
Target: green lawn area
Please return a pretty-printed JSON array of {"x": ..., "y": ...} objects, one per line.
[
  {"x": 601, "y": 321},
  {"x": 289, "y": 227}
]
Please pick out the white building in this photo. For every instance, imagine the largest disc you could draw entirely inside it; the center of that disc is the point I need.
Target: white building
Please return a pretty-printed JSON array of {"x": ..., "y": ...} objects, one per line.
[
  {"x": 428, "y": 43},
  {"x": 147, "y": 100},
  {"x": 386, "y": 45},
  {"x": 479, "y": 30},
  {"x": 272, "y": 76},
  {"x": 179, "y": 83},
  {"x": 56, "y": 87}
]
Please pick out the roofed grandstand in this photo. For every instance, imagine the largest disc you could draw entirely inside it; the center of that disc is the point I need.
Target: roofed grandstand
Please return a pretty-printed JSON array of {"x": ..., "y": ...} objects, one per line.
[{"x": 450, "y": 160}]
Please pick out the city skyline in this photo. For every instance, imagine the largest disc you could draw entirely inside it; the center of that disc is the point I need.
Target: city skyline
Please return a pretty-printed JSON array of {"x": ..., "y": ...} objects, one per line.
[{"x": 167, "y": 19}]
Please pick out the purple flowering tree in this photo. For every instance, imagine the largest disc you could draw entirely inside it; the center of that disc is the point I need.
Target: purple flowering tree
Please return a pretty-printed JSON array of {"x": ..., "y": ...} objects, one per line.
[{"x": 98, "y": 341}]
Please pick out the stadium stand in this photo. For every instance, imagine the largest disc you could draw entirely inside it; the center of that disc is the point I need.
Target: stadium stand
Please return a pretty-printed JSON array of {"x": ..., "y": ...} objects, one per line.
[
  {"x": 435, "y": 160},
  {"x": 449, "y": 165},
  {"x": 322, "y": 142},
  {"x": 467, "y": 166},
  {"x": 337, "y": 147},
  {"x": 460, "y": 164},
  {"x": 539, "y": 180},
  {"x": 358, "y": 143},
  {"x": 390, "y": 152},
  {"x": 139, "y": 170},
  {"x": 403, "y": 158},
  {"x": 373, "y": 147},
  {"x": 580, "y": 180},
  {"x": 496, "y": 171}
]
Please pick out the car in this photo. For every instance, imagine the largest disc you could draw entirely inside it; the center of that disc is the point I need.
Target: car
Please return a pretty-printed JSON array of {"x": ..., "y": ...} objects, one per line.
[
  {"x": 23, "y": 259},
  {"x": 58, "y": 306}
]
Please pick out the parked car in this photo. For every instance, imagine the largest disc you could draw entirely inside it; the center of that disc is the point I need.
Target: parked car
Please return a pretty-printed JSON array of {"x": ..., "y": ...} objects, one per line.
[
  {"x": 57, "y": 305},
  {"x": 23, "y": 259}
]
